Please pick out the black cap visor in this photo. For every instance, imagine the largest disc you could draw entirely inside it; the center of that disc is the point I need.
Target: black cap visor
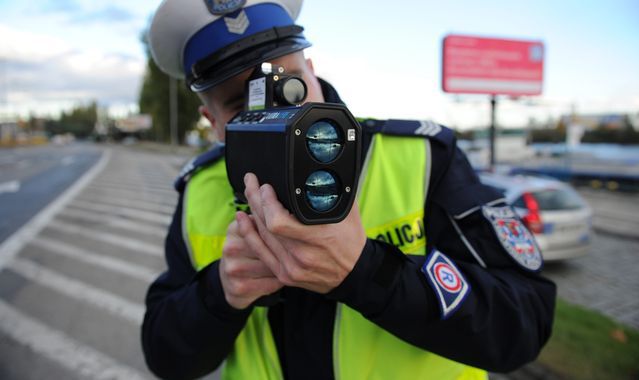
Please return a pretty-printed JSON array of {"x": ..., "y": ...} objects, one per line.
[{"x": 245, "y": 54}]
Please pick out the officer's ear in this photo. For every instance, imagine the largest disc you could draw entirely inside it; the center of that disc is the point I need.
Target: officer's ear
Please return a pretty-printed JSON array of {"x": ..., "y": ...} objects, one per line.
[
  {"x": 314, "y": 88},
  {"x": 309, "y": 65},
  {"x": 204, "y": 111}
]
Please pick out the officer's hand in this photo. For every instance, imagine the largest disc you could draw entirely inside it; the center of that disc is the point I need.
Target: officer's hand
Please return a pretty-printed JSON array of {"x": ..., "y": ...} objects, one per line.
[
  {"x": 244, "y": 276},
  {"x": 317, "y": 257}
]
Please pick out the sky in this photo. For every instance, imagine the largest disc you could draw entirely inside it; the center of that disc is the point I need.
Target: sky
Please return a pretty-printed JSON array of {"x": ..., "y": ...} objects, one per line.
[{"x": 383, "y": 57}]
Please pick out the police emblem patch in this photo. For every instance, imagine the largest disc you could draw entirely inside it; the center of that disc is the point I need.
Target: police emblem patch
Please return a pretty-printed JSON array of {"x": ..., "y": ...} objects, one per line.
[
  {"x": 514, "y": 237},
  {"x": 450, "y": 286},
  {"x": 222, "y": 7}
]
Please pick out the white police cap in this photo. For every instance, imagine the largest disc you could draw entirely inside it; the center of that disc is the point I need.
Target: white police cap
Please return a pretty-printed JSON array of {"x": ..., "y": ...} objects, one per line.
[{"x": 209, "y": 41}]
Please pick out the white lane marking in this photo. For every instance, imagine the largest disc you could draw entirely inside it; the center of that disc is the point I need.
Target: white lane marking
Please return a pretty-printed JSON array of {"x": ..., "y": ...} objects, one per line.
[
  {"x": 119, "y": 240},
  {"x": 56, "y": 346},
  {"x": 144, "y": 189},
  {"x": 158, "y": 177},
  {"x": 68, "y": 160},
  {"x": 138, "y": 272},
  {"x": 135, "y": 195},
  {"x": 128, "y": 203},
  {"x": 147, "y": 216},
  {"x": 10, "y": 187},
  {"x": 116, "y": 222},
  {"x": 78, "y": 290},
  {"x": 135, "y": 183},
  {"x": 12, "y": 245}
]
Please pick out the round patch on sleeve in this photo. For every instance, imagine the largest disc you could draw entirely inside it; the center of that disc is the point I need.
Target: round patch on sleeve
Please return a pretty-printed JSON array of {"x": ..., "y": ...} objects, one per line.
[
  {"x": 514, "y": 237},
  {"x": 450, "y": 286}
]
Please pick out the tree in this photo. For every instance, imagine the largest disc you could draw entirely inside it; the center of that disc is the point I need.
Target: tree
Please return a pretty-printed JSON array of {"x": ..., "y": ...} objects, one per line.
[
  {"x": 154, "y": 100},
  {"x": 80, "y": 121}
]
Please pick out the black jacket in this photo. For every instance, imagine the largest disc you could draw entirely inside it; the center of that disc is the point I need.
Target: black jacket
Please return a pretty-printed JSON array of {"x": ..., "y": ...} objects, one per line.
[{"x": 502, "y": 323}]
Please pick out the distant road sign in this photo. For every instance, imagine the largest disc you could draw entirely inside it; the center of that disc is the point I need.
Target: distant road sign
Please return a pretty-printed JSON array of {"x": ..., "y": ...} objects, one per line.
[{"x": 493, "y": 66}]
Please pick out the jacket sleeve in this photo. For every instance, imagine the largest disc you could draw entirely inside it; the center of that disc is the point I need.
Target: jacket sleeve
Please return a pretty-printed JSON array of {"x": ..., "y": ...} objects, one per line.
[
  {"x": 506, "y": 316},
  {"x": 188, "y": 328}
]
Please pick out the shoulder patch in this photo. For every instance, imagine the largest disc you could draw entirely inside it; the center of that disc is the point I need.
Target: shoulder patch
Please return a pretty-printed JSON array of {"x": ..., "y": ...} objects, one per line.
[
  {"x": 514, "y": 237},
  {"x": 450, "y": 286},
  {"x": 416, "y": 128},
  {"x": 205, "y": 159}
]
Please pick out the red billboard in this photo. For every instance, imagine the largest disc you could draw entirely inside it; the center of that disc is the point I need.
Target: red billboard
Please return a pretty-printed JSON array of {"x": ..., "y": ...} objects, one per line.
[{"x": 477, "y": 65}]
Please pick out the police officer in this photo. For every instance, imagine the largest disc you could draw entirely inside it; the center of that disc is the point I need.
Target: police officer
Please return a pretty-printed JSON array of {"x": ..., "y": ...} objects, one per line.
[{"x": 431, "y": 275}]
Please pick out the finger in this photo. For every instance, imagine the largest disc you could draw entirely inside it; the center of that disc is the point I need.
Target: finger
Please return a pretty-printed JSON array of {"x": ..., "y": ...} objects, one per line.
[
  {"x": 248, "y": 268},
  {"x": 275, "y": 245},
  {"x": 235, "y": 236},
  {"x": 232, "y": 229},
  {"x": 286, "y": 263},
  {"x": 252, "y": 194},
  {"x": 266, "y": 237},
  {"x": 254, "y": 197},
  {"x": 235, "y": 245},
  {"x": 240, "y": 294},
  {"x": 269, "y": 285},
  {"x": 277, "y": 219},
  {"x": 354, "y": 213},
  {"x": 254, "y": 288},
  {"x": 255, "y": 243}
]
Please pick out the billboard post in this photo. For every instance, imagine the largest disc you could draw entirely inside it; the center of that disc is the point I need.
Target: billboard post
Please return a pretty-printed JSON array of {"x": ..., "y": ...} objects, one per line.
[
  {"x": 478, "y": 65},
  {"x": 493, "y": 130}
]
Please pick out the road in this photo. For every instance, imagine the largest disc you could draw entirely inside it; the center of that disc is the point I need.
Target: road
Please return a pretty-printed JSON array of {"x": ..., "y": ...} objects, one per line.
[
  {"x": 606, "y": 279},
  {"x": 31, "y": 177},
  {"x": 615, "y": 214},
  {"x": 72, "y": 287},
  {"x": 73, "y": 278}
]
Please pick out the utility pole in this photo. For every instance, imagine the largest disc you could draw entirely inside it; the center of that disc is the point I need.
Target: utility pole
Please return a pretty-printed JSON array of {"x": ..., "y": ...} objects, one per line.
[
  {"x": 3, "y": 88},
  {"x": 173, "y": 111},
  {"x": 493, "y": 130}
]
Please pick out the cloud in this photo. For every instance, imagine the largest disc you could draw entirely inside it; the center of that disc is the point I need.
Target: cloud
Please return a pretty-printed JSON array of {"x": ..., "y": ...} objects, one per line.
[
  {"x": 42, "y": 71},
  {"x": 27, "y": 46},
  {"x": 81, "y": 12},
  {"x": 108, "y": 14},
  {"x": 55, "y": 6},
  {"x": 375, "y": 88}
]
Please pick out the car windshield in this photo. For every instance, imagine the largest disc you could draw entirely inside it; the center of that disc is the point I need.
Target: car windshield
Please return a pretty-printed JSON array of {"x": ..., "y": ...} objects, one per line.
[{"x": 555, "y": 199}]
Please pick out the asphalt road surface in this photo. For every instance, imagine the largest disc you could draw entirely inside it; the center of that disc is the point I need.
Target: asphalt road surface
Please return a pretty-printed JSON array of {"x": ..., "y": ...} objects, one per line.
[
  {"x": 32, "y": 177},
  {"x": 72, "y": 287},
  {"x": 606, "y": 279},
  {"x": 76, "y": 259}
]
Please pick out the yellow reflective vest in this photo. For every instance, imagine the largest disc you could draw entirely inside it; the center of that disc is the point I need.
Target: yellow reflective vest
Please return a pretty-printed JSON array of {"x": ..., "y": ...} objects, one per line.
[{"x": 391, "y": 198}]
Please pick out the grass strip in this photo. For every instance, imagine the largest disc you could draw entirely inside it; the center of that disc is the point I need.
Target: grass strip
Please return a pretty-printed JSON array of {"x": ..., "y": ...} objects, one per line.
[{"x": 588, "y": 345}]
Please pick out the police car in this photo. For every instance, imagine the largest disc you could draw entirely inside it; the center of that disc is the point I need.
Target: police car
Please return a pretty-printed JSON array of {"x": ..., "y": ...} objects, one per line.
[{"x": 553, "y": 211}]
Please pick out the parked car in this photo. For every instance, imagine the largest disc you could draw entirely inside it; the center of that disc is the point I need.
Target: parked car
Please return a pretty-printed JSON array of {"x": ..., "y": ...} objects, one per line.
[{"x": 559, "y": 218}]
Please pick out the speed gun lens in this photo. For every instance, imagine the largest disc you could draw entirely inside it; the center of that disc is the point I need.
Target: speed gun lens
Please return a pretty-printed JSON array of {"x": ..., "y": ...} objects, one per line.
[
  {"x": 322, "y": 191},
  {"x": 324, "y": 141}
]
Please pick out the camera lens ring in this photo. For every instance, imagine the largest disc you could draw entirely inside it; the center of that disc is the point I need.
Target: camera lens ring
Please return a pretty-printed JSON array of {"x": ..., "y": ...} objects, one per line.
[
  {"x": 291, "y": 91},
  {"x": 324, "y": 141},
  {"x": 322, "y": 191}
]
